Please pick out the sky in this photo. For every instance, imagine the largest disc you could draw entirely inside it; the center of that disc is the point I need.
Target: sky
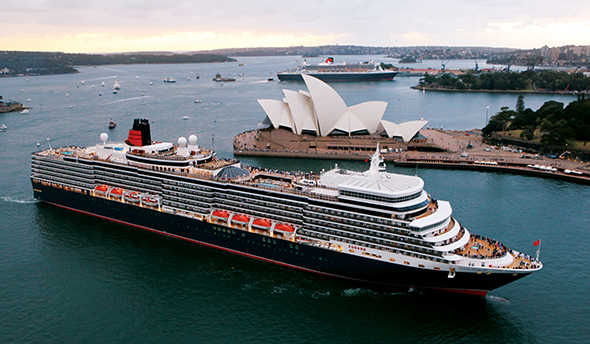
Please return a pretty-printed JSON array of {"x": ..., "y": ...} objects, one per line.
[{"x": 91, "y": 26}]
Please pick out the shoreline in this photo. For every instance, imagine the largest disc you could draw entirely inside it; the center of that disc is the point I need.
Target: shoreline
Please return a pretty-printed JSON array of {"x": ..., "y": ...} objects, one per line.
[
  {"x": 442, "y": 89},
  {"x": 457, "y": 150},
  {"x": 505, "y": 167},
  {"x": 474, "y": 163}
]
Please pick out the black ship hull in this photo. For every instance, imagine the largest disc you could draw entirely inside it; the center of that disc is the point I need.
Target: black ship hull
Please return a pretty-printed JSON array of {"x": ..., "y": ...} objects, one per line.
[
  {"x": 282, "y": 252},
  {"x": 376, "y": 76}
]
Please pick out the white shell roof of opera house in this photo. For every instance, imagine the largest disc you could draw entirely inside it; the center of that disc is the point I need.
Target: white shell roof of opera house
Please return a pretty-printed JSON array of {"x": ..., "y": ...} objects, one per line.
[{"x": 323, "y": 111}]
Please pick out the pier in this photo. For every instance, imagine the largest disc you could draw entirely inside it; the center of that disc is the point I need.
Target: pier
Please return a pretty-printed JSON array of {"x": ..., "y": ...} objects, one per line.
[{"x": 437, "y": 149}]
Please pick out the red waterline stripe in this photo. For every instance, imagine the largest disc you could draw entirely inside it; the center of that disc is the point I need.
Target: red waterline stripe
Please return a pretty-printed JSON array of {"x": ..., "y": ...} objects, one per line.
[{"x": 464, "y": 291}]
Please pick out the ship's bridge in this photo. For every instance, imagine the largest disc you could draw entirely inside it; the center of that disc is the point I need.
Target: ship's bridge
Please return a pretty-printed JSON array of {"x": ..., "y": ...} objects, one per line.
[{"x": 435, "y": 221}]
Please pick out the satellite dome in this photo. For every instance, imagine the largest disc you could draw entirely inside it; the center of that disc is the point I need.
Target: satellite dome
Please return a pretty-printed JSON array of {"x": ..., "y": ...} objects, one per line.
[
  {"x": 192, "y": 139},
  {"x": 104, "y": 137},
  {"x": 181, "y": 141}
]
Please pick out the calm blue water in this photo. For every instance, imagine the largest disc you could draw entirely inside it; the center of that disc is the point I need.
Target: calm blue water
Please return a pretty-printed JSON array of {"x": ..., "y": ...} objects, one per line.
[{"x": 70, "y": 278}]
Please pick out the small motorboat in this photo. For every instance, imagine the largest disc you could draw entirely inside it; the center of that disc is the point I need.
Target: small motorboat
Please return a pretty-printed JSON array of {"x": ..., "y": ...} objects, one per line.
[{"x": 112, "y": 124}]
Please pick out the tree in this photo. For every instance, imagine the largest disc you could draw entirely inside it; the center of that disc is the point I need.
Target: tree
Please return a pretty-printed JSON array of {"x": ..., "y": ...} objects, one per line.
[
  {"x": 556, "y": 133},
  {"x": 504, "y": 117},
  {"x": 528, "y": 133},
  {"x": 520, "y": 105}
]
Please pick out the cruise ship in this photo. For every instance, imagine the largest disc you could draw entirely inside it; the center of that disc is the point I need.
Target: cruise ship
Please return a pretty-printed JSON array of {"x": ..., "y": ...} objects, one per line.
[
  {"x": 330, "y": 71},
  {"x": 370, "y": 227}
]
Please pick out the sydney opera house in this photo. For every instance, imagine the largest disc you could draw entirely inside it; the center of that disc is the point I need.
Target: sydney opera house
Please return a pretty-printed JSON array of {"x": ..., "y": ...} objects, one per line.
[{"x": 320, "y": 119}]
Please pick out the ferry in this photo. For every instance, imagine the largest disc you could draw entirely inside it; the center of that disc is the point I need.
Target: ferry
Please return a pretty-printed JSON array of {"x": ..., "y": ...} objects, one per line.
[
  {"x": 10, "y": 106},
  {"x": 369, "y": 227},
  {"x": 330, "y": 71}
]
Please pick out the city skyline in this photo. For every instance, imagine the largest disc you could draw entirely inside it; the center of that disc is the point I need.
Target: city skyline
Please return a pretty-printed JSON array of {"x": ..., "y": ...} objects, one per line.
[{"x": 126, "y": 25}]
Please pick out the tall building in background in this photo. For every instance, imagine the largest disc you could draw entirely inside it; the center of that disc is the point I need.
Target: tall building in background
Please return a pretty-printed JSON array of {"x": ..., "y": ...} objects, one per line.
[
  {"x": 555, "y": 54},
  {"x": 569, "y": 54}
]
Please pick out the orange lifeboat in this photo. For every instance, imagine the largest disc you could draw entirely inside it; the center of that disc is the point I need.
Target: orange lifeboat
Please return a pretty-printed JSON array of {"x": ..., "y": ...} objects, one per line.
[
  {"x": 117, "y": 192},
  {"x": 240, "y": 219},
  {"x": 132, "y": 196},
  {"x": 220, "y": 215},
  {"x": 261, "y": 223},
  {"x": 149, "y": 200},
  {"x": 101, "y": 189},
  {"x": 284, "y": 229}
]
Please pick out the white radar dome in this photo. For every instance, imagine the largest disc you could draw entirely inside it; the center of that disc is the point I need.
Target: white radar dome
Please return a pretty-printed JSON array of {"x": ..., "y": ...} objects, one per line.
[
  {"x": 192, "y": 139},
  {"x": 181, "y": 141},
  {"x": 104, "y": 137}
]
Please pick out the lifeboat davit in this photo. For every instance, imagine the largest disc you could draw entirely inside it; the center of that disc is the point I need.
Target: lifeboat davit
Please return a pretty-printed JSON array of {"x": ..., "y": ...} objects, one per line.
[
  {"x": 220, "y": 215},
  {"x": 284, "y": 229},
  {"x": 149, "y": 200},
  {"x": 261, "y": 223},
  {"x": 132, "y": 196},
  {"x": 117, "y": 192},
  {"x": 101, "y": 189},
  {"x": 240, "y": 219}
]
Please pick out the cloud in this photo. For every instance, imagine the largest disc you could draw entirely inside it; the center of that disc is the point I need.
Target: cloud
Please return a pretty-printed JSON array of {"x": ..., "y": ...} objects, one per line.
[{"x": 80, "y": 26}]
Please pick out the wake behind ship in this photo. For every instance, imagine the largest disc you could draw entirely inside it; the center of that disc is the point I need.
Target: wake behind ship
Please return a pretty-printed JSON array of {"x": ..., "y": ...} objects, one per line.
[{"x": 370, "y": 227}]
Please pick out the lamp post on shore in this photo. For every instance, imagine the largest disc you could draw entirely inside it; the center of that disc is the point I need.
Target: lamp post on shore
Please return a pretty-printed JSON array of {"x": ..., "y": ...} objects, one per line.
[{"x": 487, "y": 109}]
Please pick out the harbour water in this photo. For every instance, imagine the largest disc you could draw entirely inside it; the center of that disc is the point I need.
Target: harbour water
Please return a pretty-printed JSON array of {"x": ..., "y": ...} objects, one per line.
[{"x": 70, "y": 278}]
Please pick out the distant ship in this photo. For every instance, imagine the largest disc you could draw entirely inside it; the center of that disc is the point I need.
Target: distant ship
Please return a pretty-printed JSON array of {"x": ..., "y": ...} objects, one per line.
[
  {"x": 10, "y": 106},
  {"x": 218, "y": 78},
  {"x": 170, "y": 80},
  {"x": 330, "y": 71},
  {"x": 370, "y": 227}
]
